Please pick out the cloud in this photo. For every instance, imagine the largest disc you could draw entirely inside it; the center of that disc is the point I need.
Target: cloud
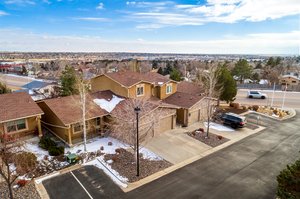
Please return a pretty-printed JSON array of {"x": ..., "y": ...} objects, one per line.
[
  {"x": 100, "y": 6},
  {"x": 221, "y": 11},
  {"x": 262, "y": 43},
  {"x": 96, "y": 19},
  {"x": 20, "y": 2},
  {"x": 2, "y": 13}
]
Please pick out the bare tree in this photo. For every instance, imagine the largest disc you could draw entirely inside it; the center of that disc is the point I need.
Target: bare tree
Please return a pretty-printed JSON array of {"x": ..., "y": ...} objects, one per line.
[
  {"x": 208, "y": 78},
  {"x": 123, "y": 121},
  {"x": 15, "y": 161}
]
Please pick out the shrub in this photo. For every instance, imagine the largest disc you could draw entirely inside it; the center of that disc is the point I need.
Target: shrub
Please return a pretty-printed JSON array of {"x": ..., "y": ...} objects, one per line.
[
  {"x": 21, "y": 183},
  {"x": 102, "y": 148},
  {"x": 236, "y": 105},
  {"x": 275, "y": 111},
  {"x": 46, "y": 142},
  {"x": 201, "y": 129},
  {"x": 109, "y": 144},
  {"x": 118, "y": 150},
  {"x": 231, "y": 104},
  {"x": 220, "y": 137},
  {"x": 114, "y": 158},
  {"x": 255, "y": 107},
  {"x": 56, "y": 151},
  {"x": 288, "y": 182},
  {"x": 25, "y": 162}
]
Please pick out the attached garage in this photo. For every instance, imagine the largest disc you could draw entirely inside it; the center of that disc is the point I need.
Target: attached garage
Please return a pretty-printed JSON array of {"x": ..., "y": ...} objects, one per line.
[
  {"x": 166, "y": 124},
  {"x": 194, "y": 116}
]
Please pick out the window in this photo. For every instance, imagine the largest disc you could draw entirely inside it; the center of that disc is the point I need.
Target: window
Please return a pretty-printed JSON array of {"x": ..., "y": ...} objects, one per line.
[
  {"x": 140, "y": 90},
  {"x": 294, "y": 82},
  {"x": 78, "y": 127},
  {"x": 169, "y": 88},
  {"x": 17, "y": 125},
  {"x": 98, "y": 121}
]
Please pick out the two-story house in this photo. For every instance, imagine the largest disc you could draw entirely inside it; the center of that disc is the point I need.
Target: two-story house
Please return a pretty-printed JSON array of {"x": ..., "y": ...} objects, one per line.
[{"x": 186, "y": 96}]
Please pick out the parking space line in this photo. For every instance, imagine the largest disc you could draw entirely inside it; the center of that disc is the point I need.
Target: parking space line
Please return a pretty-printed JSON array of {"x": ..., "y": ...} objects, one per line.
[{"x": 81, "y": 185}]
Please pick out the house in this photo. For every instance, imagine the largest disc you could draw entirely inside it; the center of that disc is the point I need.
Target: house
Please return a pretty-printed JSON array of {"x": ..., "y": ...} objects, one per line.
[
  {"x": 20, "y": 115},
  {"x": 38, "y": 89},
  {"x": 191, "y": 99},
  {"x": 63, "y": 117},
  {"x": 185, "y": 96},
  {"x": 289, "y": 80},
  {"x": 135, "y": 85}
]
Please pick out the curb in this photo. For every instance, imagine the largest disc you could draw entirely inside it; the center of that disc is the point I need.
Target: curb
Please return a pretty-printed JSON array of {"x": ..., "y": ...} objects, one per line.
[
  {"x": 137, "y": 184},
  {"x": 38, "y": 181}
]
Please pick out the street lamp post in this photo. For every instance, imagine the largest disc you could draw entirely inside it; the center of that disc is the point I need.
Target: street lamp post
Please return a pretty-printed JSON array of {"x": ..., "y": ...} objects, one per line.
[{"x": 137, "y": 110}]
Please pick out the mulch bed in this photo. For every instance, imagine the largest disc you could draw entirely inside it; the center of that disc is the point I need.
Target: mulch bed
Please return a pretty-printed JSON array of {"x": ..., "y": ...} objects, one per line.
[
  {"x": 213, "y": 140},
  {"x": 226, "y": 109},
  {"x": 28, "y": 191},
  {"x": 124, "y": 164}
]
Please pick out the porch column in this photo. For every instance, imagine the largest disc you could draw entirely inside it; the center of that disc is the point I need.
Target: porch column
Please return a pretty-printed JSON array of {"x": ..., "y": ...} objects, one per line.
[
  {"x": 101, "y": 124},
  {"x": 39, "y": 126},
  {"x": 70, "y": 136}
]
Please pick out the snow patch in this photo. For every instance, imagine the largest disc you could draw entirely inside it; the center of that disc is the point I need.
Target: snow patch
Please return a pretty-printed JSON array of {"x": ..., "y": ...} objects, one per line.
[
  {"x": 218, "y": 127},
  {"x": 147, "y": 154},
  {"x": 114, "y": 175},
  {"x": 108, "y": 105},
  {"x": 32, "y": 146}
]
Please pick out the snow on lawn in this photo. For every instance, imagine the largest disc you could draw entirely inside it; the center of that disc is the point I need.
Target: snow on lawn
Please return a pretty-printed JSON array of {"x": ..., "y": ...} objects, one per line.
[
  {"x": 218, "y": 127},
  {"x": 32, "y": 145},
  {"x": 147, "y": 154},
  {"x": 108, "y": 105},
  {"x": 113, "y": 174},
  {"x": 94, "y": 145}
]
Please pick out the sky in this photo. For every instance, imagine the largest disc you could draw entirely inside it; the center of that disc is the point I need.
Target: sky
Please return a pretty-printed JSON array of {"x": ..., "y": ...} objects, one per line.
[{"x": 178, "y": 26}]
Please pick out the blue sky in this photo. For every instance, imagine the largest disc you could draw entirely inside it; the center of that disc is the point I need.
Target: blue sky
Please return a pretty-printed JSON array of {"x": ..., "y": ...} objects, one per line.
[{"x": 179, "y": 26}]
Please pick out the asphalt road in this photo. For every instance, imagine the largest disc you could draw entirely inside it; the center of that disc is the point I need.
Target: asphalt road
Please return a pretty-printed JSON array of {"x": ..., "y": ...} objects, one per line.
[
  {"x": 246, "y": 169},
  {"x": 292, "y": 99}
]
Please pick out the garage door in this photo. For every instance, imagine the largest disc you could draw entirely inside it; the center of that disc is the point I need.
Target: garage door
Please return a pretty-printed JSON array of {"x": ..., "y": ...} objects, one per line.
[
  {"x": 194, "y": 116},
  {"x": 165, "y": 124}
]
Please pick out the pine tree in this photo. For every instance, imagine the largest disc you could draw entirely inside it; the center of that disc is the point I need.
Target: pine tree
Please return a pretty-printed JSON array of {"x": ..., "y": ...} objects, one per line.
[
  {"x": 175, "y": 75},
  {"x": 227, "y": 85},
  {"x": 289, "y": 182},
  {"x": 4, "y": 89},
  {"x": 68, "y": 82}
]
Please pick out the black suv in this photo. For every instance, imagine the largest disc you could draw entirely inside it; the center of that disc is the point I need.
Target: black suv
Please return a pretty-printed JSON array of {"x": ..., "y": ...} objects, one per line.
[{"x": 233, "y": 120}]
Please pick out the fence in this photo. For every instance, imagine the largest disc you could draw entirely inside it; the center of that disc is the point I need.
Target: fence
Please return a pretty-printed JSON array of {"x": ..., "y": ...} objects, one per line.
[{"x": 259, "y": 86}]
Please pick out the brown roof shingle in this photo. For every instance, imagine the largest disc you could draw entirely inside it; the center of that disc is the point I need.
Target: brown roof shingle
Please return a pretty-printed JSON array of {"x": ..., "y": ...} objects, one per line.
[
  {"x": 183, "y": 100},
  {"x": 68, "y": 109},
  {"x": 129, "y": 78},
  {"x": 190, "y": 88},
  {"x": 17, "y": 105}
]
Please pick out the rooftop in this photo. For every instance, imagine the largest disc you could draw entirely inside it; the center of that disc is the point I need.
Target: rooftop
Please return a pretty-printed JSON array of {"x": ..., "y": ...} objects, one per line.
[
  {"x": 184, "y": 100},
  {"x": 17, "y": 105}
]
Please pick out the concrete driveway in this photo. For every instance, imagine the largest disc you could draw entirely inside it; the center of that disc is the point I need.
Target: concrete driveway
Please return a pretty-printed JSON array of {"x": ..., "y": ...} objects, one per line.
[{"x": 175, "y": 146}]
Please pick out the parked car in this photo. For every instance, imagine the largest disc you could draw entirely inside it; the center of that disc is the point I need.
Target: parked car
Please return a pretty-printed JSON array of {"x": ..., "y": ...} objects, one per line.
[
  {"x": 256, "y": 94},
  {"x": 233, "y": 120}
]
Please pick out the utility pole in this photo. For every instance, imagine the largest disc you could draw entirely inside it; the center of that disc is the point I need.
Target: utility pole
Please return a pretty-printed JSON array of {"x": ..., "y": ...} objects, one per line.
[{"x": 284, "y": 94}]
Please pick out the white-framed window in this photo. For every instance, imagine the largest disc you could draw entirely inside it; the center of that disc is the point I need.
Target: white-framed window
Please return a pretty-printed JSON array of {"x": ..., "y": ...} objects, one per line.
[
  {"x": 16, "y": 126},
  {"x": 140, "y": 90},
  {"x": 169, "y": 88}
]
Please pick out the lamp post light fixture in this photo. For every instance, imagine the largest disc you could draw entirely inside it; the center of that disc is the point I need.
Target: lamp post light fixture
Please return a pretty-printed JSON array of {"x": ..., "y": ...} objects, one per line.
[{"x": 137, "y": 110}]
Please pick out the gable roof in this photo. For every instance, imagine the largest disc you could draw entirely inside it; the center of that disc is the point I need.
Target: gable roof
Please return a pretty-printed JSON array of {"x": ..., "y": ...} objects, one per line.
[
  {"x": 17, "y": 105},
  {"x": 129, "y": 78},
  {"x": 68, "y": 109},
  {"x": 183, "y": 100},
  {"x": 190, "y": 88}
]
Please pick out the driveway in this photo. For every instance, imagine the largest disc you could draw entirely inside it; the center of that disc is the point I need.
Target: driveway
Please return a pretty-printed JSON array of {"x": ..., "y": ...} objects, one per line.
[
  {"x": 175, "y": 146},
  {"x": 246, "y": 169}
]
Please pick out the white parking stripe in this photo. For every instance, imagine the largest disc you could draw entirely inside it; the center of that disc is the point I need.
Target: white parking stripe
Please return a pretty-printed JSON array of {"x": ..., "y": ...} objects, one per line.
[{"x": 81, "y": 185}]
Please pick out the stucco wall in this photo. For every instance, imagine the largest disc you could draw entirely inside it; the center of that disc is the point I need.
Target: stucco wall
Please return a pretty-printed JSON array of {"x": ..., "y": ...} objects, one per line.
[
  {"x": 147, "y": 91},
  {"x": 163, "y": 90}
]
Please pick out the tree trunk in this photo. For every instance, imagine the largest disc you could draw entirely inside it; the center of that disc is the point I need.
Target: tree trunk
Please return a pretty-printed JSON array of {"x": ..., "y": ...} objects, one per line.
[
  {"x": 83, "y": 116},
  {"x": 11, "y": 195}
]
